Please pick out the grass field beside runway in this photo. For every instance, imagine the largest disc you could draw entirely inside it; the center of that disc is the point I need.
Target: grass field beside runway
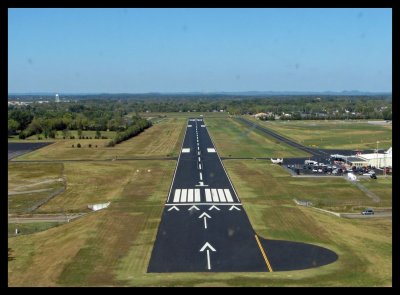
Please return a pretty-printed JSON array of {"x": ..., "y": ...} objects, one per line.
[
  {"x": 364, "y": 246},
  {"x": 93, "y": 249},
  {"x": 112, "y": 247},
  {"x": 332, "y": 134},
  {"x": 186, "y": 114},
  {"x": 29, "y": 183},
  {"x": 381, "y": 187},
  {"x": 161, "y": 140},
  {"x": 30, "y": 228},
  {"x": 234, "y": 139}
]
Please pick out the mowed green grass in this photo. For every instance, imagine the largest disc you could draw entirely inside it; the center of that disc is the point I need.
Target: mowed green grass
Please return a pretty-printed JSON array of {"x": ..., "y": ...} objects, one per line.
[
  {"x": 382, "y": 187},
  {"x": 29, "y": 183},
  {"x": 59, "y": 136},
  {"x": 186, "y": 114},
  {"x": 93, "y": 250},
  {"x": 364, "y": 246},
  {"x": 112, "y": 247},
  {"x": 161, "y": 140},
  {"x": 333, "y": 134},
  {"x": 30, "y": 228},
  {"x": 235, "y": 139}
]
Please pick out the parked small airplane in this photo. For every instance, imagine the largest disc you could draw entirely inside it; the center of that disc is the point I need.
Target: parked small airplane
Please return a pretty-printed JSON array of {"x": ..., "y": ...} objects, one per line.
[
  {"x": 351, "y": 176},
  {"x": 277, "y": 161}
]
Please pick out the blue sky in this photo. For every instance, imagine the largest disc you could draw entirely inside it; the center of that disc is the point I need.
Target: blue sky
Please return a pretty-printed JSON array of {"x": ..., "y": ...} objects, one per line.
[{"x": 181, "y": 50}]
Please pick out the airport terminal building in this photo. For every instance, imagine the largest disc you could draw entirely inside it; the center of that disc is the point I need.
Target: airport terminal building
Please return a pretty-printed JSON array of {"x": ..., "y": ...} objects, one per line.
[{"x": 378, "y": 160}]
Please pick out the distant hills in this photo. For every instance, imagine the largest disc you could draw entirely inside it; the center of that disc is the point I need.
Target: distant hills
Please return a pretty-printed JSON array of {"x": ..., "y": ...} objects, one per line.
[{"x": 238, "y": 93}]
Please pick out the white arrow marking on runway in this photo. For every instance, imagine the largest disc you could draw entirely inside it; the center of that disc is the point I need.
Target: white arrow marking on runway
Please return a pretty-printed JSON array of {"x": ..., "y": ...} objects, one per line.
[
  {"x": 201, "y": 183},
  {"x": 234, "y": 207},
  {"x": 205, "y": 216},
  {"x": 193, "y": 207},
  {"x": 173, "y": 207},
  {"x": 209, "y": 247},
  {"x": 201, "y": 176},
  {"x": 214, "y": 207}
]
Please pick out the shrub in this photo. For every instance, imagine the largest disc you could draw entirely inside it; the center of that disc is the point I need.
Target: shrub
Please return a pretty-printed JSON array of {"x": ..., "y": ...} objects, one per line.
[
  {"x": 78, "y": 145},
  {"x": 73, "y": 145},
  {"x": 90, "y": 145}
]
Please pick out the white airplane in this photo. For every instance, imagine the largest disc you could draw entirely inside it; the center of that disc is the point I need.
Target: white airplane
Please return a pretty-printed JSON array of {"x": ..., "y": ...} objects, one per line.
[
  {"x": 351, "y": 176},
  {"x": 277, "y": 161}
]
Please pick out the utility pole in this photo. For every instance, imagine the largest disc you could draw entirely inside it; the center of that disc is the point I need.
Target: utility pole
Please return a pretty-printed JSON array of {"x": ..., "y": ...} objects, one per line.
[{"x": 377, "y": 142}]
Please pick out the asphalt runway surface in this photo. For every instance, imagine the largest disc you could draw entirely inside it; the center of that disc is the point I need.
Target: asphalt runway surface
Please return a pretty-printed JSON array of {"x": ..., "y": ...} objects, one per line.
[
  {"x": 204, "y": 227},
  {"x": 16, "y": 149}
]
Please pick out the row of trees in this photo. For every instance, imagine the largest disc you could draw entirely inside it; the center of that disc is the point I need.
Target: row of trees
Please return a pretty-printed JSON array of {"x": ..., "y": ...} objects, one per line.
[
  {"x": 97, "y": 113},
  {"x": 138, "y": 126}
]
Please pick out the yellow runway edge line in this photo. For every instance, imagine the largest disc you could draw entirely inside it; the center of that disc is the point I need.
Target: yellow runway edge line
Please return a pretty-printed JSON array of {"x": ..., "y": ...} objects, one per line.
[{"x": 263, "y": 254}]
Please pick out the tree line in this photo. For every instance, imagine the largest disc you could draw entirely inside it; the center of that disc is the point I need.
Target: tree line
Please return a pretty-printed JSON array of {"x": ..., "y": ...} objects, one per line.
[{"x": 110, "y": 112}]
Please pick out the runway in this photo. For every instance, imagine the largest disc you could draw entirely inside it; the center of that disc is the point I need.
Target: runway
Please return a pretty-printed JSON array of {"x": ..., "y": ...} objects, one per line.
[{"x": 204, "y": 227}]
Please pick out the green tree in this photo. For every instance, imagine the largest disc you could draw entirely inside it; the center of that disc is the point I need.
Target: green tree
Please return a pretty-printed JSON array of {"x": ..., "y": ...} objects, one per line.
[{"x": 13, "y": 126}]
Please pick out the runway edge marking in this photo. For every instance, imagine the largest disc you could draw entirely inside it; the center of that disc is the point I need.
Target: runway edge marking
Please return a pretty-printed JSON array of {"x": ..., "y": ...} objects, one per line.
[
  {"x": 177, "y": 163},
  {"x": 219, "y": 158},
  {"x": 264, "y": 254}
]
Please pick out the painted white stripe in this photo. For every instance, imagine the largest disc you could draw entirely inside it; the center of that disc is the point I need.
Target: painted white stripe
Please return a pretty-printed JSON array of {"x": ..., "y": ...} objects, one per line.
[
  {"x": 228, "y": 195},
  {"x": 183, "y": 196},
  {"x": 190, "y": 195},
  {"x": 221, "y": 195},
  {"x": 206, "y": 204},
  {"x": 198, "y": 148},
  {"x": 203, "y": 125},
  {"x": 214, "y": 195},
  {"x": 198, "y": 153},
  {"x": 186, "y": 150},
  {"x": 197, "y": 144},
  {"x": 197, "y": 195},
  {"x": 208, "y": 195},
  {"x": 176, "y": 167},
  {"x": 189, "y": 125},
  {"x": 201, "y": 176},
  {"x": 199, "y": 159},
  {"x": 222, "y": 164},
  {"x": 177, "y": 195},
  {"x": 211, "y": 150},
  {"x": 200, "y": 166}
]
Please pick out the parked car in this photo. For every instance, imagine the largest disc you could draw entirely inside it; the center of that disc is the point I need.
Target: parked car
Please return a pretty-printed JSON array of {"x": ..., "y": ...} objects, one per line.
[{"x": 368, "y": 212}]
